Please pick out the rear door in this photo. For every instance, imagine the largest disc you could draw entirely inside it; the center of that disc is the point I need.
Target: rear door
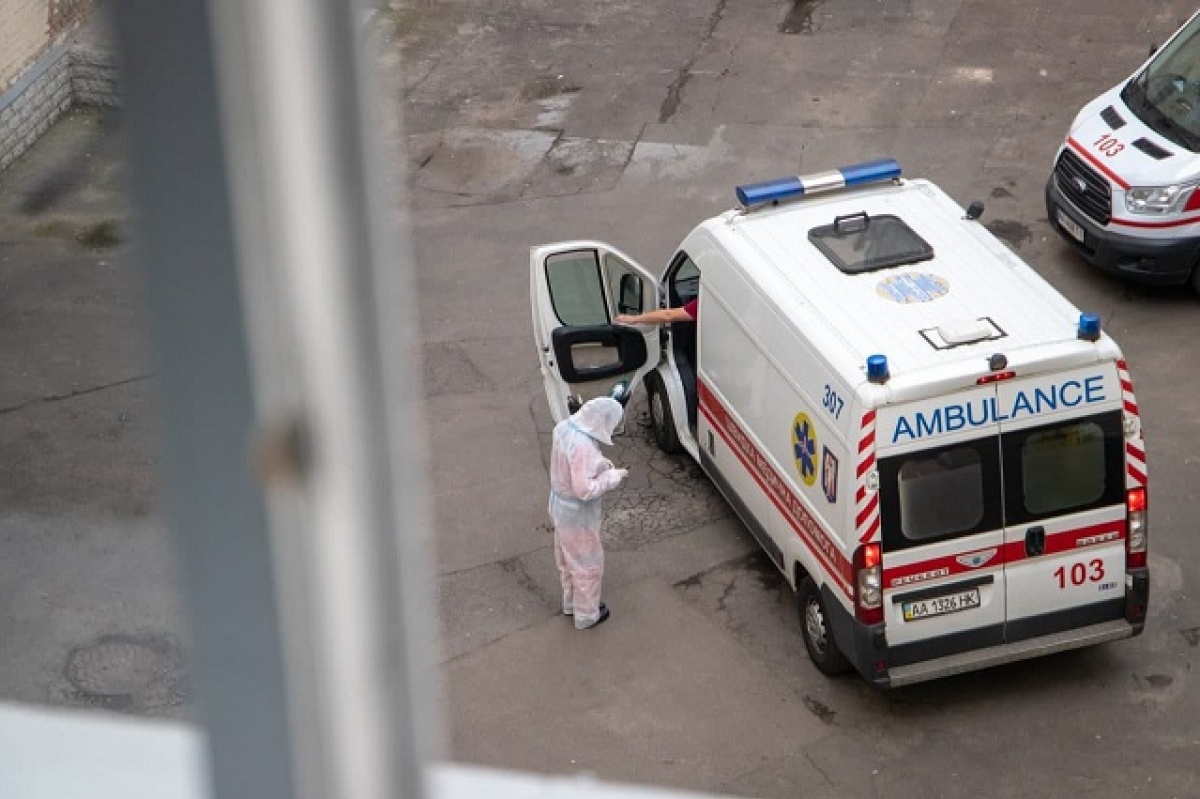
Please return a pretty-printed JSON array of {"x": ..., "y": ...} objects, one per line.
[
  {"x": 1064, "y": 477},
  {"x": 942, "y": 530},
  {"x": 576, "y": 288}
]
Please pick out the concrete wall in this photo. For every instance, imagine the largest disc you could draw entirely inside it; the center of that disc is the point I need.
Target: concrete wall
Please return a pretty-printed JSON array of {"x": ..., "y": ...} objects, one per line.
[{"x": 28, "y": 28}]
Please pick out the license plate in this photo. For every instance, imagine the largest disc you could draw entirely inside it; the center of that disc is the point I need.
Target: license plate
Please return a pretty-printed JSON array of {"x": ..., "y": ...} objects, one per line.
[
  {"x": 941, "y": 605},
  {"x": 1070, "y": 225}
]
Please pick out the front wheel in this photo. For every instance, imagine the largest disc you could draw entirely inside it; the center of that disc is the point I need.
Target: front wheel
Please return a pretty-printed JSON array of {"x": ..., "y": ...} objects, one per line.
[
  {"x": 818, "y": 635},
  {"x": 661, "y": 418}
]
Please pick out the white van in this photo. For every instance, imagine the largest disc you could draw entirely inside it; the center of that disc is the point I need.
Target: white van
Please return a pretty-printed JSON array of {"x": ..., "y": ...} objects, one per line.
[
  {"x": 1124, "y": 190},
  {"x": 940, "y": 453}
]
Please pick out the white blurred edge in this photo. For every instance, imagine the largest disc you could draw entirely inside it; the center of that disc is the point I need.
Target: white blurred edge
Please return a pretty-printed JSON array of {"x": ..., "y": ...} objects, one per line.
[{"x": 51, "y": 753}]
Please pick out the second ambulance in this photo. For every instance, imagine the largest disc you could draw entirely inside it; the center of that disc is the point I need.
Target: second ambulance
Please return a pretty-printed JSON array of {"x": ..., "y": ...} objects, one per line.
[
  {"x": 1125, "y": 190},
  {"x": 939, "y": 452}
]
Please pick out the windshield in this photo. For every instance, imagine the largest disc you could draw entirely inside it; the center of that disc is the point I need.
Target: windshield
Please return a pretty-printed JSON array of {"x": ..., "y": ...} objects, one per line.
[{"x": 1166, "y": 94}]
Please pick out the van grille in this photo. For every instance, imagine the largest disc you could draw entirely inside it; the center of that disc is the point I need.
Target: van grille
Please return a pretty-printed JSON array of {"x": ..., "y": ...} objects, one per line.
[{"x": 1081, "y": 185}]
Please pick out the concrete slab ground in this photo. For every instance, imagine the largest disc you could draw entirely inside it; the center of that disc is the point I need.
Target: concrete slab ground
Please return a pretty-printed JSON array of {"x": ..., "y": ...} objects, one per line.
[
  {"x": 619, "y": 695},
  {"x": 90, "y": 612},
  {"x": 539, "y": 121}
]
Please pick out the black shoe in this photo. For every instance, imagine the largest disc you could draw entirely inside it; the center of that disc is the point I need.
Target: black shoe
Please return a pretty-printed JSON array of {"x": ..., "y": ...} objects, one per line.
[
  {"x": 604, "y": 614},
  {"x": 572, "y": 613}
]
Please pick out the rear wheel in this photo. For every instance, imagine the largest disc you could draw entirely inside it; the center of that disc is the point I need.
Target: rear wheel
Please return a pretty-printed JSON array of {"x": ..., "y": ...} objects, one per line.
[
  {"x": 661, "y": 418},
  {"x": 818, "y": 635},
  {"x": 1196, "y": 278}
]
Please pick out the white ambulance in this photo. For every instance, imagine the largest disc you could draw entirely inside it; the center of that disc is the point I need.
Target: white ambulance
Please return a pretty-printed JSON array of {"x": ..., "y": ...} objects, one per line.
[
  {"x": 942, "y": 455},
  {"x": 1125, "y": 190}
]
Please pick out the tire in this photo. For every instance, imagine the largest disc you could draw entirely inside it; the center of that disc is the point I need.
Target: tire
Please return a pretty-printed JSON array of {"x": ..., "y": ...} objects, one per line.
[
  {"x": 817, "y": 634},
  {"x": 1196, "y": 278},
  {"x": 661, "y": 419}
]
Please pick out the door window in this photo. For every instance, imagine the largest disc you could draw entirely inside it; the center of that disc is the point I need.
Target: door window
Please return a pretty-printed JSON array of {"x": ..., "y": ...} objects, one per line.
[
  {"x": 685, "y": 281},
  {"x": 1064, "y": 467},
  {"x": 624, "y": 284},
  {"x": 935, "y": 494},
  {"x": 577, "y": 288}
]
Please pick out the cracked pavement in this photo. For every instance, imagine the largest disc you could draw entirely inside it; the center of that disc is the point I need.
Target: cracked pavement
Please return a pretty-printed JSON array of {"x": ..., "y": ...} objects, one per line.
[
  {"x": 629, "y": 123},
  {"x": 544, "y": 120}
]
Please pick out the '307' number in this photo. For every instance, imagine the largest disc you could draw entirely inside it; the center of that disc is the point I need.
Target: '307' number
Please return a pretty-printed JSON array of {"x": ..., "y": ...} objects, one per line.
[
  {"x": 832, "y": 402},
  {"x": 1080, "y": 573}
]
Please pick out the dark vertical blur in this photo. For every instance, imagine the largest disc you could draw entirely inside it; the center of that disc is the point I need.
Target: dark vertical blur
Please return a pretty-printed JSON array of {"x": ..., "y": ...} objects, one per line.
[{"x": 186, "y": 251}]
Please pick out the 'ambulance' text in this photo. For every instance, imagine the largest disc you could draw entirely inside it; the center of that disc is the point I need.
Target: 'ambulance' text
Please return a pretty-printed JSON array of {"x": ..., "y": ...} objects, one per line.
[{"x": 987, "y": 410}]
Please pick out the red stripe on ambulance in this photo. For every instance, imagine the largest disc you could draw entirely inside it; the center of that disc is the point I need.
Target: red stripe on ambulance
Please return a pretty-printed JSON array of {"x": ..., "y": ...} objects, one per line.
[
  {"x": 1070, "y": 540},
  {"x": 1189, "y": 220},
  {"x": 1135, "y": 448},
  {"x": 1013, "y": 551},
  {"x": 1096, "y": 162},
  {"x": 866, "y": 501},
  {"x": 775, "y": 486}
]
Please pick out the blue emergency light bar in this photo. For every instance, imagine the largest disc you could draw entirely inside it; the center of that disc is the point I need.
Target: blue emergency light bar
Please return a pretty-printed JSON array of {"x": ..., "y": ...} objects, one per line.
[{"x": 876, "y": 171}]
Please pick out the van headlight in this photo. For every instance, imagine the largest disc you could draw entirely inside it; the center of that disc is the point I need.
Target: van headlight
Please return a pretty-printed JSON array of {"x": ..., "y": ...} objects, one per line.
[{"x": 1162, "y": 199}]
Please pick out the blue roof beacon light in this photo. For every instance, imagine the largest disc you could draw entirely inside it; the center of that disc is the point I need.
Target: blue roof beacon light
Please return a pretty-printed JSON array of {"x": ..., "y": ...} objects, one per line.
[
  {"x": 877, "y": 171},
  {"x": 877, "y": 369},
  {"x": 1089, "y": 326}
]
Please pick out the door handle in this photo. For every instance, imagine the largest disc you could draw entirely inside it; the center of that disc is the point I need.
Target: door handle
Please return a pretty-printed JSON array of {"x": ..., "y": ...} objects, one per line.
[{"x": 1035, "y": 541}]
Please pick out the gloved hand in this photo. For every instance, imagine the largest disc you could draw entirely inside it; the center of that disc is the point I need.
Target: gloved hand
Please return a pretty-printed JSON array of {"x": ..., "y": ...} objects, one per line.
[{"x": 617, "y": 476}]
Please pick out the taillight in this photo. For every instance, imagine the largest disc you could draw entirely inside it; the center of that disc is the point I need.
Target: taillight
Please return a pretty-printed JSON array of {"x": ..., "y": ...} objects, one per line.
[
  {"x": 868, "y": 584},
  {"x": 1135, "y": 528}
]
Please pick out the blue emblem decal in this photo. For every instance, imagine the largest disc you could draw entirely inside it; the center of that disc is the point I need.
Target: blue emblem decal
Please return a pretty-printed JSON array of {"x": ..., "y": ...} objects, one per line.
[
  {"x": 912, "y": 287},
  {"x": 804, "y": 448}
]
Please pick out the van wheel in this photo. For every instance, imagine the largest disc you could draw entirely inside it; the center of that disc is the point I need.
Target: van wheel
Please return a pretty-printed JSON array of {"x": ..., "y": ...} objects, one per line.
[
  {"x": 818, "y": 635},
  {"x": 661, "y": 419}
]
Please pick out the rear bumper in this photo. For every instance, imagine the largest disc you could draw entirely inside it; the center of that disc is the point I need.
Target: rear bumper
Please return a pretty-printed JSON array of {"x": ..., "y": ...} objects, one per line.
[
  {"x": 1010, "y": 653},
  {"x": 1160, "y": 262},
  {"x": 971, "y": 650}
]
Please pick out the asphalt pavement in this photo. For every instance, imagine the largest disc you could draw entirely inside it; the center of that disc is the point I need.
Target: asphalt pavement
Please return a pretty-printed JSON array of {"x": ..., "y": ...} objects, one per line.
[{"x": 545, "y": 120}]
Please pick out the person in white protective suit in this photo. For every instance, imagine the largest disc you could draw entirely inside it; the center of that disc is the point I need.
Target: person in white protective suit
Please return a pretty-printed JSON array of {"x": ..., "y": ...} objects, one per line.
[{"x": 579, "y": 476}]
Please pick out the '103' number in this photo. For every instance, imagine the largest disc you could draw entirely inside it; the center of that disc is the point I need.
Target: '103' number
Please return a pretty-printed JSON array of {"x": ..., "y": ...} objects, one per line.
[
  {"x": 1108, "y": 145},
  {"x": 1080, "y": 573},
  {"x": 832, "y": 402}
]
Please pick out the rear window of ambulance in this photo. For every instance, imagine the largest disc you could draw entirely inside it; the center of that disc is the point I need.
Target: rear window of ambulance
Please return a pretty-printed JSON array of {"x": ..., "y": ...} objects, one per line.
[
  {"x": 1066, "y": 467},
  {"x": 938, "y": 494}
]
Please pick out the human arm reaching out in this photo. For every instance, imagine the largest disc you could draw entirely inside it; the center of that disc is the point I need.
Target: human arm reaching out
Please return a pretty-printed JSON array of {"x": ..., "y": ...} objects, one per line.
[{"x": 660, "y": 316}]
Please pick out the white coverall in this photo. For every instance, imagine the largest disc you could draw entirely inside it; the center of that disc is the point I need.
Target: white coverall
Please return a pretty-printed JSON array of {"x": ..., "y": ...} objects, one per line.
[{"x": 579, "y": 476}]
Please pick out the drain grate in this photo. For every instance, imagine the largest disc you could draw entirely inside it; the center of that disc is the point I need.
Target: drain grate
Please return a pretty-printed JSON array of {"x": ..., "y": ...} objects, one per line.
[{"x": 126, "y": 672}]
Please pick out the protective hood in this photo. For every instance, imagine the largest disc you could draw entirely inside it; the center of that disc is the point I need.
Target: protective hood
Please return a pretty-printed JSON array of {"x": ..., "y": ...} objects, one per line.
[{"x": 598, "y": 418}]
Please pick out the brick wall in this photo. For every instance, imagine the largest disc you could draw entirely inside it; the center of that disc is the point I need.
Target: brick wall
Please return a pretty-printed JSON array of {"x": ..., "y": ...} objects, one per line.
[
  {"x": 62, "y": 77},
  {"x": 28, "y": 28},
  {"x": 52, "y": 65}
]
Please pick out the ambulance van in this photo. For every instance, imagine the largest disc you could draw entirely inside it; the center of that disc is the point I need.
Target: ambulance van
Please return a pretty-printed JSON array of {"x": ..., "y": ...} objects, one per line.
[
  {"x": 942, "y": 455},
  {"x": 1125, "y": 190}
]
